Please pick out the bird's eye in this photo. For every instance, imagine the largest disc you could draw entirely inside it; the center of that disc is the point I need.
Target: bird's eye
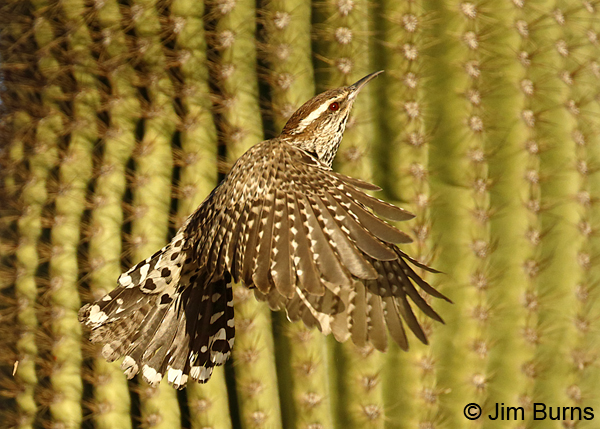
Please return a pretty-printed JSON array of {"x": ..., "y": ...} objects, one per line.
[{"x": 334, "y": 107}]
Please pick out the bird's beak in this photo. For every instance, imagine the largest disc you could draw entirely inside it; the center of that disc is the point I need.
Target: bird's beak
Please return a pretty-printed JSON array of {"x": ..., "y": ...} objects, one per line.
[{"x": 356, "y": 87}]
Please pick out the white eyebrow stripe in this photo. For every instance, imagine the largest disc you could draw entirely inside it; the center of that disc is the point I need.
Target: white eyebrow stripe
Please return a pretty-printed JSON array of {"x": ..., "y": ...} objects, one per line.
[{"x": 313, "y": 115}]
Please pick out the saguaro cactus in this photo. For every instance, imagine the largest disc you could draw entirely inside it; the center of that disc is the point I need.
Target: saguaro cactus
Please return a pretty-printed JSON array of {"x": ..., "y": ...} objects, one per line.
[{"x": 117, "y": 118}]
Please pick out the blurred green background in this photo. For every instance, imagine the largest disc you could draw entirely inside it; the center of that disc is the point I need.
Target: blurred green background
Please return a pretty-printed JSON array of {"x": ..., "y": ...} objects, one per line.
[{"x": 119, "y": 117}]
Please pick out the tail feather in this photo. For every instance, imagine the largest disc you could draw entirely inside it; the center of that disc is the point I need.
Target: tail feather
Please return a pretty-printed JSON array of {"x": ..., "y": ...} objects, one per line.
[
  {"x": 159, "y": 271},
  {"x": 177, "y": 356},
  {"x": 153, "y": 275},
  {"x": 213, "y": 338},
  {"x": 166, "y": 318},
  {"x": 112, "y": 335},
  {"x": 154, "y": 354},
  {"x": 139, "y": 336}
]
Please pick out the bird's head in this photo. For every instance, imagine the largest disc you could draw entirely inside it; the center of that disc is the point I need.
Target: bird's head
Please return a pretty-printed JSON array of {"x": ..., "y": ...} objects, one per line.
[{"x": 318, "y": 125}]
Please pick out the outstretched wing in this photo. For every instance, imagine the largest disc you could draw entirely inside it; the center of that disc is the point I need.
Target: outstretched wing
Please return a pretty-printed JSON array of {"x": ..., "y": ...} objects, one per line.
[{"x": 309, "y": 240}]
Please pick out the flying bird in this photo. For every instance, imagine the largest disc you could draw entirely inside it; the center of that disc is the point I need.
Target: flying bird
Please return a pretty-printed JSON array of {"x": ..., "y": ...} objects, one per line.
[{"x": 305, "y": 238}]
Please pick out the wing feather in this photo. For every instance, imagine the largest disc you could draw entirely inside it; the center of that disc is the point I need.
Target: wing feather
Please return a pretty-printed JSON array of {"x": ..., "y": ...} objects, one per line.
[
  {"x": 234, "y": 252},
  {"x": 406, "y": 311},
  {"x": 382, "y": 208},
  {"x": 281, "y": 270},
  {"x": 308, "y": 277},
  {"x": 356, "y": 182},
  {"x": 250, "y": 242},
  {"x": 376, "y": 325},
  {"x": 414, "y": 295},
  {"x": 373, "y": 224},
  {"x": 224, "y": 258},
  {"x": 329, "y": 265},
  {"x": 394, "y": 322},
  {"x": 358, "y": 315},
  {"x": 417, "y": 279},
  {"x": 262, "y": 262},
  {"x": 364, "y": 240},
  {"x": 352, "y": 259}
]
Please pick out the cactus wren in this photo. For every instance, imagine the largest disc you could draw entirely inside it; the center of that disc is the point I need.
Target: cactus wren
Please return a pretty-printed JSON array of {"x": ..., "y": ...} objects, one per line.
[{"x": 302, "y": 236}]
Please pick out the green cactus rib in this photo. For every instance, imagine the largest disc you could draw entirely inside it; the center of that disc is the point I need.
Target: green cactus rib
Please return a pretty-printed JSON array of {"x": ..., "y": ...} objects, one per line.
[
  {"x": 558, "y": 272},
  {"x": 111, "y": 406},
  {"x": 111, "y": 397},
  {"x": 585, "y": 375},
  {"x": 403, "y": 153},
  {"x": 343, "y": 29},
  {"x": 111, "y": 401},
  {"x": 558, "y": 281},
  {"x": 526, "y": 250},
  {"x": 345, "y": 50},
  {"x": 307, "y": 383},
  {"x": 577, "y": 336},
  {"x": 235, "y": 75},
  {"x": 75, "y": 170},
  {"x": 588, "y": 293},
  {"x": 74, "y": 174},
  {"x": 26, "y": 189},
  {"x": 32, "y": 199},
  {"x": 287, "y": 51},
  {"x": 473, "y": 31},
  {"x": 197, "y": 176},
  {"x": 61, "y": 299},
  {"x": 453, "y": 228},
  {"x": 152, "y": 177},
  {"x": 197, "y": 130},
  {"x": 509, "y": 162}
]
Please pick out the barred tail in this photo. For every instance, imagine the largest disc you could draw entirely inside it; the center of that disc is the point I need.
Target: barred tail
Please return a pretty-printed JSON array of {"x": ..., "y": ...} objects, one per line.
[{"x": 165, "y": 318}]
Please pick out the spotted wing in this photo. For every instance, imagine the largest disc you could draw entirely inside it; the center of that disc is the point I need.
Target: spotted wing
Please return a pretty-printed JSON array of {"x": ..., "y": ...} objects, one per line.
[{"x": 310, "y": 241}]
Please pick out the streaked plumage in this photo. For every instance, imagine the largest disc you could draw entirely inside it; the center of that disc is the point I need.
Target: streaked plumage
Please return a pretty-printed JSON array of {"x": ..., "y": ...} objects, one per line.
[{"x": 304, "y": 237}]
